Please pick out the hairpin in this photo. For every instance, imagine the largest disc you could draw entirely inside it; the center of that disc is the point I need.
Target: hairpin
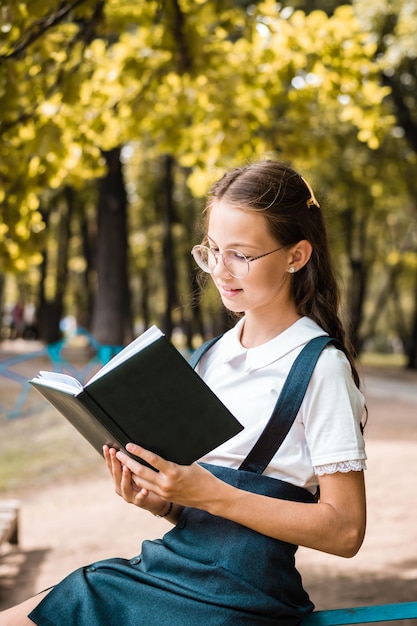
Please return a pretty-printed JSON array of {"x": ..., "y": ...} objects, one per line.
[{"x": 312, "y": 201}]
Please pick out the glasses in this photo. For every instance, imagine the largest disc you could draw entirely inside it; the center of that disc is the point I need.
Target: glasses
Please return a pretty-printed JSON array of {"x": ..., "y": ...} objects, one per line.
[{"x": 236, "y": 263}]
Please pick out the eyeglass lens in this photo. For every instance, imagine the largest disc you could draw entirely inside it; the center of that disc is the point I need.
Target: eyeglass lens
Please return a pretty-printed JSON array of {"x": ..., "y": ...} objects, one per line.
[{"x": 235, "y": 262}]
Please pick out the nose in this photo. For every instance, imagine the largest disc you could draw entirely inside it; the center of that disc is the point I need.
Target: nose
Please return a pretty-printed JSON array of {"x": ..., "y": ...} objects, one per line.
[{"x": 219, "y": 268}]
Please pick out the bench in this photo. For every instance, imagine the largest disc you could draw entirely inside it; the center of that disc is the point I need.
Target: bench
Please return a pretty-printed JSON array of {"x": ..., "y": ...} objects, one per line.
[
  {"x": 9, "y": 521},
  {"x": 362, "y": 615}
]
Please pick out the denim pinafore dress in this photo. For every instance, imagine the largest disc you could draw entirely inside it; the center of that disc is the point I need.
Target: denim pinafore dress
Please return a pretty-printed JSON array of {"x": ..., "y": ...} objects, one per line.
[{"x": 206, "y": 570}]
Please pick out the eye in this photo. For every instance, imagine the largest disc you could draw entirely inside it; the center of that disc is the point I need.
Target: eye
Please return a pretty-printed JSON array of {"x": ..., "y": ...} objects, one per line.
[
  {"x": 237, "y": 256},
  {"x": 214, "y": 250}
]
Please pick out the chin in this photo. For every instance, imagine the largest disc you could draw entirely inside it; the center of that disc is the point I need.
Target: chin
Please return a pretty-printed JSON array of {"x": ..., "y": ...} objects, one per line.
[{"x": 233, "y": 310}]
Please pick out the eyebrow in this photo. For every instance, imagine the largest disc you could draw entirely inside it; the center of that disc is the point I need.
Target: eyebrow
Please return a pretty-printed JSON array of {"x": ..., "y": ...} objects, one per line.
[{"x": 235, "y": 245}]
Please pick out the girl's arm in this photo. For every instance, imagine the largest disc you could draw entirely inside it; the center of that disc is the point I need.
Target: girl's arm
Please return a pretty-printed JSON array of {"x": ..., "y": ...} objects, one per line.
[{"x": 336, "y": 524}]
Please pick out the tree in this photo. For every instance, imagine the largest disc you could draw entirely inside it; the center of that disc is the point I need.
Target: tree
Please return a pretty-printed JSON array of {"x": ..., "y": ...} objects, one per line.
[
  {"x": 394, "y": 26},
  {"x": 41, "y": 49},
  {"x": 54, "y": 267},
  {"x": 112, "y": 323},
  {"x": 205, "y": 84}
]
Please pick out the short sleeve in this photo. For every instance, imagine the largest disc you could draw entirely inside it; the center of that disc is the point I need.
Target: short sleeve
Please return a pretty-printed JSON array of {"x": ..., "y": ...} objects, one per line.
[{"x": 332, "y": 411}]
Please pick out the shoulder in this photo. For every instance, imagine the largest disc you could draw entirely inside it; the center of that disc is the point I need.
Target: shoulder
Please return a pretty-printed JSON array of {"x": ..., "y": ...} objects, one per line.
[
  {"x": 333, "y": 362},
  {"x": 332, "y": 387}
]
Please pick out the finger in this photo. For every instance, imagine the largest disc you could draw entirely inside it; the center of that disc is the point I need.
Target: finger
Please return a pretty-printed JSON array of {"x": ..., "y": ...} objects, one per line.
[
  {"x": 150, "y": 457},
  {"x": 106, "y": 454},
  {"x": 128, "y": 460},
  {"x": 126, "y": 483},
  {"x": 144, "y": 476},
  {"x": 130, "y": 490},
  {"x": 137, "y": 486},
  {"x": 116, "y": 466},
  {"x": 109, "y": 456},
  {"x": 141, "y": 469}
]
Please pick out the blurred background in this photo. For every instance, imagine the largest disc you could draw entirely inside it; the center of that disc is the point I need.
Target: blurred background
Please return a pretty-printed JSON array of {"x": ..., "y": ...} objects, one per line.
[{"x": 116, "y": 116}]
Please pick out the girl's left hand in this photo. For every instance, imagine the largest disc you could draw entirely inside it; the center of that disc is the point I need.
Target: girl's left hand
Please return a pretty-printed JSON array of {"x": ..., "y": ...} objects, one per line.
[{"x": 188, "y": 485}]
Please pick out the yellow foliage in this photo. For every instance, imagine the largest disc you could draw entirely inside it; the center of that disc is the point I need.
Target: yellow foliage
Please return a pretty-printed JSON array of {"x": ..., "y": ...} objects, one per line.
[
  {"x": 241, "y": 83},
  {"x": 33, "y": 166},
  {"x": 35, "y": 69},
  {"x": 27, "y": 131},
  {"x": 377, "y": 189},
  {"x": 32, "y": 201},
  {"x": 56, "y": 181},
  {"x": 12, "y": 249},
  {"x": 22, "y": 230},
  {"x": 199, "y": 181},
  {"x": 21, "y": 264},
  {"x": 373, "y": 142}
]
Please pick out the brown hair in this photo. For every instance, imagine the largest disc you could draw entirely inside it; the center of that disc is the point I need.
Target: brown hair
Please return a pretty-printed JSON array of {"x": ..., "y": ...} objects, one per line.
[{"x": 292, "y": 213}]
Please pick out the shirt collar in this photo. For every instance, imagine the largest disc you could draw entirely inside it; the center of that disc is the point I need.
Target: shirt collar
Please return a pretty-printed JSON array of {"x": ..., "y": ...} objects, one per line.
[{"x": 296, "y": 336}]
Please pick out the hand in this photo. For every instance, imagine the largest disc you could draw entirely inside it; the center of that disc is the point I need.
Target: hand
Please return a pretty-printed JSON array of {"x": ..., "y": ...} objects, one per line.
[
  {"x": 188, "y": 485},
  {"x": 126, "y": 487}
]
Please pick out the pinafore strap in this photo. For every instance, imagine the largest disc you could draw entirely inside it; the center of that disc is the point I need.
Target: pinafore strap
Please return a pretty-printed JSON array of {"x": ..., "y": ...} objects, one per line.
[
  {"x": 288, "y": 403},
  {"x": 286, "y": 408},
  {"x": 198, "y": 353}
]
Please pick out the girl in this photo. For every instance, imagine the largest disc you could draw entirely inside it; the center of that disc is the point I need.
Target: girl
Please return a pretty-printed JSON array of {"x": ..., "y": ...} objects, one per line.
[{"x": 240, "y": 513}]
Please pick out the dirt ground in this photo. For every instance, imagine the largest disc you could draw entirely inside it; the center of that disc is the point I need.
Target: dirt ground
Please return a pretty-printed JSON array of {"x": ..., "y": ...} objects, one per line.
[{"x": 65, "y": 525}]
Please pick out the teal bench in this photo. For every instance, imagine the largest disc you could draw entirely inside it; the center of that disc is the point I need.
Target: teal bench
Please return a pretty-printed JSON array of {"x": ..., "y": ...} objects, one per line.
[{"x": 362, "y": 615}]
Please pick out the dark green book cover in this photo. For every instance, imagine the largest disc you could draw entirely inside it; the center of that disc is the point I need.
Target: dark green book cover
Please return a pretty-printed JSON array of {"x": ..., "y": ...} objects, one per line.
[{"x": 154, "y": 399}]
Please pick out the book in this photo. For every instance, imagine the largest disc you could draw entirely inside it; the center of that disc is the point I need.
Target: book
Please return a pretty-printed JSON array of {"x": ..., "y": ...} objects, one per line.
[{"x": 147, "y": 394}]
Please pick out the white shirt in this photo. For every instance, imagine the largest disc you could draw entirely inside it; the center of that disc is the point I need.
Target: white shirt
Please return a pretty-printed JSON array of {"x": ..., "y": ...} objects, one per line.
[{"x": 325, "y": 436}]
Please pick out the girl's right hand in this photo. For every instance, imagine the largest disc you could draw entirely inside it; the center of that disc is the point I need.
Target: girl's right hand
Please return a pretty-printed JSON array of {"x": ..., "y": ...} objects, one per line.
[{"x": 125, "y": 487}]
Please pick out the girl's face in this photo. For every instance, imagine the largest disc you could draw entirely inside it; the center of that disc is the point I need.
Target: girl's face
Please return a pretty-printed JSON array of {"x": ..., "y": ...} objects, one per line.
[{"x": 268, "y": 284}]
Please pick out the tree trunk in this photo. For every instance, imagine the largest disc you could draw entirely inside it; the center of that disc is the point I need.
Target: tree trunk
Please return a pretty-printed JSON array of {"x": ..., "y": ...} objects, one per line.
[
  {"x": 168, "y": 220},
  {"x": 411, "y": 348},
  {"x": 51, "y": 307},
  {"x": 388, "y": 291},
  {"x": 112, "y": 323},
  {"x": 193, "y": 321},
  {"x": 354, "y": 241},
  {"x": 85, "y": 303},
  {"x": 144, "y": 298},
  {"x": 2, "y": 281}
]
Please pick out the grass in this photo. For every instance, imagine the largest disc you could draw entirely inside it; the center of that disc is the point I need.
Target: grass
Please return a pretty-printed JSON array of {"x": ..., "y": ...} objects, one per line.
[
  {"x": 41, "y": 448},
  {"x": 38, "y": 446},
  {"x": 374, "y": 359}
]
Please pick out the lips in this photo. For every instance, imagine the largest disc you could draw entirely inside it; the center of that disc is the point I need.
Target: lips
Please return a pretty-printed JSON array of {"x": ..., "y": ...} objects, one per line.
[{"x": 228, "y": 292}]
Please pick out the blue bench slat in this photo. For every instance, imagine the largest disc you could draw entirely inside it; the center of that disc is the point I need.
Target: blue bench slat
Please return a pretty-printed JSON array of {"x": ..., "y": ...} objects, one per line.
[{"x": 362, "y": 614}]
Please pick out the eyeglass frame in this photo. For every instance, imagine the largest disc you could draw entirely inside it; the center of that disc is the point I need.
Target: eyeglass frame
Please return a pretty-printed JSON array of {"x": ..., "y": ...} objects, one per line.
[{"x": 217, "y": 254}]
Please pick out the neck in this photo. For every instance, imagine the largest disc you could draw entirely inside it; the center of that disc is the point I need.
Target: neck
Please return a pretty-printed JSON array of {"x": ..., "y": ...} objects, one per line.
[{"x": 255, "y": 333}]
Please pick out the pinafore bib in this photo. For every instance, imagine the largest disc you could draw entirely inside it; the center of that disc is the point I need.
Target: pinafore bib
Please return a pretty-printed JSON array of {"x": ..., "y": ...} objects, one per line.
[{"x": 206, "y": 570}]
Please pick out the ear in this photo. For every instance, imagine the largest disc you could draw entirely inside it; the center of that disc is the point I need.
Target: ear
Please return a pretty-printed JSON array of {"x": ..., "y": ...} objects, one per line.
[{"x": 299, "y": 255}]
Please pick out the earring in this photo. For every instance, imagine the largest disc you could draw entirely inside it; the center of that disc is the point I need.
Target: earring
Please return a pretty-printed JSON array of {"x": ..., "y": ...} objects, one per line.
[{"x": 292, "y": 269}]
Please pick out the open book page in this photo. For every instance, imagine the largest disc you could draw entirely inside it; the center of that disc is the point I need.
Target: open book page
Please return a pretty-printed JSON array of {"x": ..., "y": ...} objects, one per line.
[
  {"x": 57, "y": 380},
  {"x": 140, "y": 343},
  {"x": 70, "y": 385}
]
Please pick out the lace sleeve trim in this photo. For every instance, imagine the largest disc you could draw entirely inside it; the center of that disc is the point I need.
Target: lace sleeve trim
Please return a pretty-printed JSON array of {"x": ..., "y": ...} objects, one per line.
[{"x": 342, "y": 466}]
